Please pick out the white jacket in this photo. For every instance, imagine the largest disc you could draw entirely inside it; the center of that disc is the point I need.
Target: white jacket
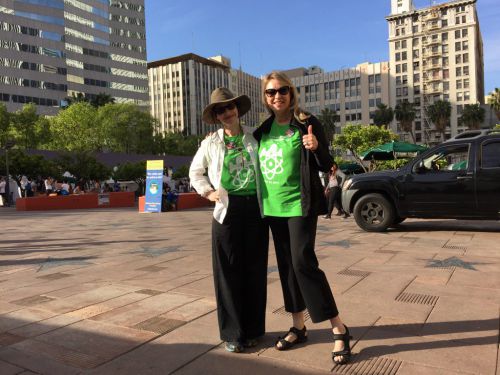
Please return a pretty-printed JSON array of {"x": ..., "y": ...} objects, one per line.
[{"x": 211, "y": 155}]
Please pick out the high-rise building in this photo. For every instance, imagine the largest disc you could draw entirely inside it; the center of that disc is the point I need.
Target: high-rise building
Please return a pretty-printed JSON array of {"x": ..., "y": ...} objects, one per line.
[
  {"x": 180, "y": 89},
  {"x": 436, "y": 53},
  {"x": 353, "y": 93},
  {"x": 52, "y": 49}
]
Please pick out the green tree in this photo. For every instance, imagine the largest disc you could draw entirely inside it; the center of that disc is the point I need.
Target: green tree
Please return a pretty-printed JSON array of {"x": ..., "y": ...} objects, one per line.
[
  {"x": 101, "y": 99},
  {"x": 31, "y": 166},
  {"x": 472, "y": 116},
  {"x": 181, "y": 172},
  {"x": 359, "y": 138},
  {"x": 328, "y": 118},
  {"x": 76, "y": 128},
  {"x": 127, "y": 128},
  {"x": 383, "y": 115},
  {"x": 405, "y": 114},
  {"x": 494, "y": 101},
  {"x": 83, "y": 165},
  {"x": 23, "y": 125},
  {"x": 176, "y": 144},
  {"x": 440, "y": 113},
  {"x": 4, "y": 124},
  {"x": 132, "y": 172}
]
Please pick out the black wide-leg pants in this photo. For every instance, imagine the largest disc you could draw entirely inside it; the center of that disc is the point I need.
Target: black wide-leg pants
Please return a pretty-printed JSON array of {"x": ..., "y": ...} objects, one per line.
[
  {"x": 303, "y": 283},
  {"x": 239, "y": 257}
]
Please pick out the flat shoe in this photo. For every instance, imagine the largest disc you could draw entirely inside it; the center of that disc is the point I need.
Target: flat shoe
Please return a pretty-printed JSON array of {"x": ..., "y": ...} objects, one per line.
[
  {"x": 234, "y": 346},
  {"x": 301, "y": 335}
]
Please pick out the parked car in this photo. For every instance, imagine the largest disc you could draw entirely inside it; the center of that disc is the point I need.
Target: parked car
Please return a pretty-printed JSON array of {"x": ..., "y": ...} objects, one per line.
[{"x": 458, "y": 179}]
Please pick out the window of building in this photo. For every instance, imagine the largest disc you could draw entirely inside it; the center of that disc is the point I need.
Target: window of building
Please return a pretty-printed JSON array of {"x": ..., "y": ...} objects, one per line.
[
  {"x": 416, "y": 90},
  {"x": 466, "y": 83},
  {"x": 403, "y": 55},
  {"x": 466, "y": 70},
  {"x": 459, "y": 96},
  {"x": 416, "y": 77},
  {"x": 465, "y": 45},
  {"x": 465, "y": 58},
  {"x": 446, "y": 74},
  {"x": 458, "y": 46},
  {"x": 458, "y": 59},
  {"x": 457, "y": 34},
  {"x": 398, "y": 68},
  {"x": 415, "y": 42},
  {"x": 445, "y": 48},
  {"x": 466, "y": 95},
  {"x": 404, "y": 67},
  {"x": 444, "y": 23},
  {"x": 446, "y": 86},
  {"x": 397, "y": 45},
  {"x": 444, "y": 37},
  {"x": 415, "y": 29},
  {"x": 445, "y": 61},
  {"x": 464, "y": 33},
  {"x": 458, "y": 71},
  {"x": 398, "y": 56}
]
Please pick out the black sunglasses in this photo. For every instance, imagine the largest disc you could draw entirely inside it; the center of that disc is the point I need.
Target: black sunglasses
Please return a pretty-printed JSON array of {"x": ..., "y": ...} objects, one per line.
[
  {"x": 219, "y": 110},
  {"x": 283, "y": 90}
]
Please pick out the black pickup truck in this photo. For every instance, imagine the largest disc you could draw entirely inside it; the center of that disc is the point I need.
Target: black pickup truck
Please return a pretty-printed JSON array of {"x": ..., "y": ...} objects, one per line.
[{"x": 458, "y": 179}]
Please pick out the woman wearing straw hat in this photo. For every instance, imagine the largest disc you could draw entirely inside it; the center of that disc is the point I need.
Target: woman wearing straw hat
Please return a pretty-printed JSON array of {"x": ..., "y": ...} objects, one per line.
[
  {"x": 292, "y": 150},
  {"x": 239, "y": 234}
]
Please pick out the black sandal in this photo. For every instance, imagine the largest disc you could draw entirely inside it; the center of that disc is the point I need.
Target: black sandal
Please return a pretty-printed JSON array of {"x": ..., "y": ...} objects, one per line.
[
  {"x": 301, "y": 335},
  {"x": 346, "y": 353}
]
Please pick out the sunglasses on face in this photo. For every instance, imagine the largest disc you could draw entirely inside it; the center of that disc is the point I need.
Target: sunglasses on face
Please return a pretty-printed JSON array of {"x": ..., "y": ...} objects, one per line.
[
  {"x": 221, "y": 109},
  {"x": 284, "y": 90}
]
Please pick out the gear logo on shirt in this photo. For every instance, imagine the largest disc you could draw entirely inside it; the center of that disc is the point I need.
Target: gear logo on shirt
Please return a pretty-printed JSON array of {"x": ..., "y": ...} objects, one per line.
[
  {"x": 271, "y": 161},
  {"x": 241, "y": 172}
]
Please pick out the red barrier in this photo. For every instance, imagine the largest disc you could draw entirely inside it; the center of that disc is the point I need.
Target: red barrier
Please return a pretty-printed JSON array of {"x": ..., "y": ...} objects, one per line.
[{"x": 76, "y": 201}]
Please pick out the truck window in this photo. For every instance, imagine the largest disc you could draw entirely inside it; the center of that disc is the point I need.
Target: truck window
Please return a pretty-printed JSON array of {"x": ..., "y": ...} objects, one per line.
[
  {"x": 452, "y": 158},
  {"x": 490, "y": 154}
]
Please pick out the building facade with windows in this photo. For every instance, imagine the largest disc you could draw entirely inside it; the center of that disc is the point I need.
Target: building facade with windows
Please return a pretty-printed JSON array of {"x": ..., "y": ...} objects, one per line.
[
  {"x": 436, "y": 53},
  {"x": 353, "y": 93},
  {"x": 52, "y": 49},
  {"x": 180, "y": 89}
]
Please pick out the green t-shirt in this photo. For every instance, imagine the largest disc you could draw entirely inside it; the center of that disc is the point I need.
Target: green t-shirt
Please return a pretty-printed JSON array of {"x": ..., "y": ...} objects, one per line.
[
  {"x": 279, "y": 156},
  {"x": 238, "y": 172}
]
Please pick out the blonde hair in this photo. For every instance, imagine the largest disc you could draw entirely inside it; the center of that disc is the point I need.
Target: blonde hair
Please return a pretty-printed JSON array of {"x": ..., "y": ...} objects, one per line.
[{"x": 299, "y": 114}]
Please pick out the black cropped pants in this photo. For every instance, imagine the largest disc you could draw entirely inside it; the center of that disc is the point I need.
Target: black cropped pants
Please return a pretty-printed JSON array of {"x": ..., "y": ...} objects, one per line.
[
  {"x": 239, "y": 256},
  {"x": 303, "y": 283}
]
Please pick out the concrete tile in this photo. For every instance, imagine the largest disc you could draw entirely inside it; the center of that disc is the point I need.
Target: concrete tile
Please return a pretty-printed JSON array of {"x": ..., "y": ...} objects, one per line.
[
  {"x": 44, "y": 326},
  {"x": 8, "y": 369},
  {"x": 36, "y": 362},
  {"x": 86, "y": 336},
  {"x": 418, "y": 369},
  {"x": 23, "y": 317},
  {"x": 140, "y": 311}
]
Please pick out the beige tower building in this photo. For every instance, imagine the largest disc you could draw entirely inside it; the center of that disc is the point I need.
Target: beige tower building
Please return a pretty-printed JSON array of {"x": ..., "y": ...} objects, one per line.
[
  {"x": 435, "y": 53},
  {"x": 180, "y": 88},
  {"x": 353, "y": 93}
]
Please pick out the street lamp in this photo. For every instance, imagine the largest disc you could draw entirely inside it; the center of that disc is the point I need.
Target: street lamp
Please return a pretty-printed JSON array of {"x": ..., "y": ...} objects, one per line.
[{"x": 8, "y": 145}]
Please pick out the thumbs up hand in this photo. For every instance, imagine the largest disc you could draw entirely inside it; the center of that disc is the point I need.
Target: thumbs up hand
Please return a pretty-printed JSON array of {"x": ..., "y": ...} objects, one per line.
[{"x": 309, "y": 140}]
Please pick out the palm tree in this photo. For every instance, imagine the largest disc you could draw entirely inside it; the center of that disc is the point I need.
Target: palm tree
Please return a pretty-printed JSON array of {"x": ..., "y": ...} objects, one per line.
[
  {"x": 440, "y": 113},
  {"x": 328, "y": 118},
  {"x": 494, "y": 101},
  {"x": 472, "y": 116},
  {"x": 405, "y": 114},
  {"x": 383, "y": 115}
]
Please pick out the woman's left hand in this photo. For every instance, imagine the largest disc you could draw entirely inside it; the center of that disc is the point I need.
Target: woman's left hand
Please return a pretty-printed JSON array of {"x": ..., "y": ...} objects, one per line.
[{"x": 309, "y": 140}]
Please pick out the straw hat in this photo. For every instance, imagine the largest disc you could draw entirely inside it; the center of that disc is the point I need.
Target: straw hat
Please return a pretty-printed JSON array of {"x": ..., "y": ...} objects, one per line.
[{"x": 222, "y": 95}]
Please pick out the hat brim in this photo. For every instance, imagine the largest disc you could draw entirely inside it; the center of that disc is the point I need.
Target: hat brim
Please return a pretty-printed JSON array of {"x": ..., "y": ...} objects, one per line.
[{"x": 242, "y": 102}]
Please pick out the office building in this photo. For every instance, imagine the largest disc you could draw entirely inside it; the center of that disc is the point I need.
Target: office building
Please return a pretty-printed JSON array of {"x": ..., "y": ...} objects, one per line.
[
  {"x": 180, "y": 89},
  {"x": 436, "y": 53},
  {"x": 353, "y": 93},
  {"x": 52, "y": 49}
]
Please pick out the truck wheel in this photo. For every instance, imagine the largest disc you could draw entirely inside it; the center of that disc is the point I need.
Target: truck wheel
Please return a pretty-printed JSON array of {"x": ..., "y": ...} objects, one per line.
[{"x": 374, "y": 213}]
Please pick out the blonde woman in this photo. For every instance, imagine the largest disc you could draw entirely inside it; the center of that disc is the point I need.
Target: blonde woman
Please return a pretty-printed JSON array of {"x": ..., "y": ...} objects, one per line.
[
  {"x": 292, "y": 150},
  {"x": 239, "y": 234}
]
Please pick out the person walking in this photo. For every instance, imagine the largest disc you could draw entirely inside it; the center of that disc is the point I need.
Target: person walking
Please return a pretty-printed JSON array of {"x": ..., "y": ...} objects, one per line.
[
  {"x": 292, "y": 150},
  {"x": 240, "y": 236},
  {"x": 333, "y": 191}
]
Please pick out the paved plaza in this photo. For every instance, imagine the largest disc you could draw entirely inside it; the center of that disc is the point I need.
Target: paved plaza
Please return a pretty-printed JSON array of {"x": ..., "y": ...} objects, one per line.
[{"x": 118, "y": 292}]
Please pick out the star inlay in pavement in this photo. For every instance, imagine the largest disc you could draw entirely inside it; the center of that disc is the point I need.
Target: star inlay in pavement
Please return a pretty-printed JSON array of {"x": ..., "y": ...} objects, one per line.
[
  {"x": 151, "y": 252},
  {"x": 54, "y": 262},
  {"x": 342, "y": 243},
  {"x": 452, "y": 262}
]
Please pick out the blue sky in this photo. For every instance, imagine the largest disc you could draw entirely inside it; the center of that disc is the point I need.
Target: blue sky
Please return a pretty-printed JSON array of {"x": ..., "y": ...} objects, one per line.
[{"x": 264, "y": 35}]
